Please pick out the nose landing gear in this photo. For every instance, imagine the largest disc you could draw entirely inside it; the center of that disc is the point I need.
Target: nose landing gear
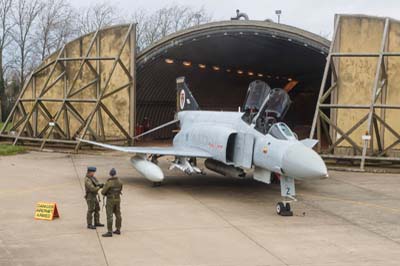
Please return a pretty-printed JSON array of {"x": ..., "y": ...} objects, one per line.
[
  {"x": 283, "y": 209},
  {"x": 288, "y": 191}
]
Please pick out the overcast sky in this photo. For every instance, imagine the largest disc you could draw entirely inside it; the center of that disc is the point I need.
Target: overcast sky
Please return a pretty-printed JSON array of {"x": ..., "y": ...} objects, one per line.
[{"x": 313, "y": 15}]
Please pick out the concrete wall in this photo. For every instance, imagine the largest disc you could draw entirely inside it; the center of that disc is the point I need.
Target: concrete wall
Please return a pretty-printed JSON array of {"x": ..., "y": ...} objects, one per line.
[
  {"x": 393, "y": 93},
  {"x": 362, "y": 34}
]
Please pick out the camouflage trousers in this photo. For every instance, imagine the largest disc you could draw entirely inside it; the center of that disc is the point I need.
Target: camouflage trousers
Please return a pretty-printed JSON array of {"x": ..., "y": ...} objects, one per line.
[
  {"x": 93, "y": 210},
  {"x": 113, "y": 206}
]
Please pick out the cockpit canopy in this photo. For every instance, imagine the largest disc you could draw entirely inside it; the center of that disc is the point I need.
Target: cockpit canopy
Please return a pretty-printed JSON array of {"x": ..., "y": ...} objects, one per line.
[
  {"x": 257, "y": 92},
  {"x": 277, "y": 103},
  {"x": 265, "y": 106}
]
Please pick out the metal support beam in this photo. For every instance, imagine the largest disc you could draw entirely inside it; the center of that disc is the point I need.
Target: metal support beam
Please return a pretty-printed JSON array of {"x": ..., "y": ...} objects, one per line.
[
  {"x": 378, "y": 75},
  {"x": 375, "y": 125},
  {"x": 106, "y": 85},
  {"x": 132, "y": 88},
  {"x": 61, "y": 72},
  {"x": 324, "y": 78}
]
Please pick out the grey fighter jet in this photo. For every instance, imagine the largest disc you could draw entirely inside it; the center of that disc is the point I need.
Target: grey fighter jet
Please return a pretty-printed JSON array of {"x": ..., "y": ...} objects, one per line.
[{"x": 235, "y": 143}]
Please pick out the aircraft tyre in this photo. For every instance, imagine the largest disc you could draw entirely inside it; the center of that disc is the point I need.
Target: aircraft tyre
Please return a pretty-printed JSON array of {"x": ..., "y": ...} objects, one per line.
[
  {"x": 157, "y": 184},
  {"x": 280, "y": 208},
  {"x": 283, "y": 209}
]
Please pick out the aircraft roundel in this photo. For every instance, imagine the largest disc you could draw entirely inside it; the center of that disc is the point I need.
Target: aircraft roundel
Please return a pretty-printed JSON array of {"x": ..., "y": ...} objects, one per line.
[{"x": 182, "y": 98}]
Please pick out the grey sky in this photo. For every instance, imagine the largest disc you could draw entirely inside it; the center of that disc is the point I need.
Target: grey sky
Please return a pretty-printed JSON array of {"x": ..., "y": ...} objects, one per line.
[{"x": 315, "y": 16}]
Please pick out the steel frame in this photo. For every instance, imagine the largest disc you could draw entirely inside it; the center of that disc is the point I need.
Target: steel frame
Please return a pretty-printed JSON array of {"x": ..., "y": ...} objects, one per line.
[
  {"x": 376, "y": 111},
  {"x": 26, "y": 127}
]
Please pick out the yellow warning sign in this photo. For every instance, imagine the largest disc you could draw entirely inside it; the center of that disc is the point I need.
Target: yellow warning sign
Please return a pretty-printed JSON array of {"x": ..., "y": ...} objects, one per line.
[{"x": 46, "y": 211}]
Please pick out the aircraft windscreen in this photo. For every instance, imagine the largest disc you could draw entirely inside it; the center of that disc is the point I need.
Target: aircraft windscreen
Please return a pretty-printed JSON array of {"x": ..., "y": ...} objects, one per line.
[
  {"x": 256, "y": 94},
  {"x": 281, "y": 131}
]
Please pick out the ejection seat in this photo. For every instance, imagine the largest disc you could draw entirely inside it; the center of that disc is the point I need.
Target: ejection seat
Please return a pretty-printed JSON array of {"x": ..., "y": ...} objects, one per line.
[{"x": 256, "y": 94}]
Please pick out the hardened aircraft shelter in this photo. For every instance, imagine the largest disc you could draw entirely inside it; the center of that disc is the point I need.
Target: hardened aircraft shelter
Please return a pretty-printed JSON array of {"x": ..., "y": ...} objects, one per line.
[
  {"x": 97, "y": 87},
  {"x": 102, "y": 87}
]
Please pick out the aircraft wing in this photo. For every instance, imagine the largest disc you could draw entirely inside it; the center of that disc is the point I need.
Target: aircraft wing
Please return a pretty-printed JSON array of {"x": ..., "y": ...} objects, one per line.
[{"x": 175, "y": 151}]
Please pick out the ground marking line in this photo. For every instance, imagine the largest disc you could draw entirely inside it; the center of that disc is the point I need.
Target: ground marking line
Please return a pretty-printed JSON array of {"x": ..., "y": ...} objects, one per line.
[{"x": 97, "y": 233}]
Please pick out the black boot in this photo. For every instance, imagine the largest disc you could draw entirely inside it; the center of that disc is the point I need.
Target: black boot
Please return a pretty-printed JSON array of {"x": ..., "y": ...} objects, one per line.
[
  {"x": 90, "y": 226},
  {"x": 117, "y": 232},
  {"x": 99, "y": 224},
  {"x": 108, "y": 234}
]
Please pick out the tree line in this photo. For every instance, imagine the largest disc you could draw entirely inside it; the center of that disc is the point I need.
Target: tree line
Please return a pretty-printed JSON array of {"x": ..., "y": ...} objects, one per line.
[{"x": 31, "y": 30}]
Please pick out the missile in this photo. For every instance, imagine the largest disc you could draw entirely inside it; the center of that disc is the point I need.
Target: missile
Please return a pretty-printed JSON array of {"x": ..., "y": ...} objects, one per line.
[
  {"x": 223, "y": 169},
  {"x": 147, "y": 169}
]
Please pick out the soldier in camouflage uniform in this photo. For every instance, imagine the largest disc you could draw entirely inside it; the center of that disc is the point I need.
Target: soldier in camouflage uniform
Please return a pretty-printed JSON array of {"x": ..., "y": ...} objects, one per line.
[
  {"x": 92, "y": 186},
  {"x": 112, "y": 190}
]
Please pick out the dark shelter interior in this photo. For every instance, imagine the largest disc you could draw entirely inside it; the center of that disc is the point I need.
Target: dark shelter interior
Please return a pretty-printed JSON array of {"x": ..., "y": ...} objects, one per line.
[{"x": 220, "y": 60}]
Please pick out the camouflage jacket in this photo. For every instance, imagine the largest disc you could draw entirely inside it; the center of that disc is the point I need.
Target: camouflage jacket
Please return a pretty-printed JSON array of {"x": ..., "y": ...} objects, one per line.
[
  {"x": 92, "y": 186},
  {"x": 112, "y": 188}
]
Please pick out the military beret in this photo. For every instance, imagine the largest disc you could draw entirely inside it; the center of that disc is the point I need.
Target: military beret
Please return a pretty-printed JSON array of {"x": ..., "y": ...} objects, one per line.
[
  {"x": 113, "y": 172},
  {"x": 91, "y": 169}
]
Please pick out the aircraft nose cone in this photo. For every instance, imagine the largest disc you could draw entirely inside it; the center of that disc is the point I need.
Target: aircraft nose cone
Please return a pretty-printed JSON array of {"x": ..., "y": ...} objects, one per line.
[{"x": 302, "y": 162}]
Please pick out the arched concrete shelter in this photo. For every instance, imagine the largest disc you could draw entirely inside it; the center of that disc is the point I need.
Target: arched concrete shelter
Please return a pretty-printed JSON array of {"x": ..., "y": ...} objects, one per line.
[
  {"x": 213, "y": 56},
  {"x": 97, "y": 72}
]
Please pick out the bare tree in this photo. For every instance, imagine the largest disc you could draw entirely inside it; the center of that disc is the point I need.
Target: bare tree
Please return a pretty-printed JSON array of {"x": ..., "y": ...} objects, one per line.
[
  {"x": 186, "y": 17},
  {"x": 165, "y": 21},
  {"x": 97, "y": 16},
  {"x": 54, "y": 27},
  {"x": 5, "y": 30},
  {"x": 138, "y": 17},
  {"x": 24, "y": 15}
]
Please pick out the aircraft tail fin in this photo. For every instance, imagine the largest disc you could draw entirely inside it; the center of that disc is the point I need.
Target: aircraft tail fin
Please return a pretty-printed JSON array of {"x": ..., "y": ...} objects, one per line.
[{"x": 184, "y": 99}]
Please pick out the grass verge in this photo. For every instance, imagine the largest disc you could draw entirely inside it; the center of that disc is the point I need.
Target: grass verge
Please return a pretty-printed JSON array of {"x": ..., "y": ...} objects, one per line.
[
  {"x": 2, "y": 123},
  {"x": 8, "y": 149}
]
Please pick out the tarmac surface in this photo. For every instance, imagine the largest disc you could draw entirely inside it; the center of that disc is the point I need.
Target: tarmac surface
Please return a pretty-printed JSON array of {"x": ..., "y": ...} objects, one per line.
[{"x": 349, "y": 219}]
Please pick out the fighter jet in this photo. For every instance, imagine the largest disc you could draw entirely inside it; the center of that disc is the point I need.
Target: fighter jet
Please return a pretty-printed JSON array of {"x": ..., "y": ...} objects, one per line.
[{"x": 235, "y": 143}]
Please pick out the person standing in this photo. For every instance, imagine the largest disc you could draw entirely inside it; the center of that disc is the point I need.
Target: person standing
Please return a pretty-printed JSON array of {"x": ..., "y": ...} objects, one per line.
[
  {"x": 113, "y": 190},
  {"x": 92, "y": 186}
]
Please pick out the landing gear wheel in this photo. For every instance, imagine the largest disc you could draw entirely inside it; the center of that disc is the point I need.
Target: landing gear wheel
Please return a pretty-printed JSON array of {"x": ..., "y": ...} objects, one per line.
[
  {"x": 280, "y": 208},
  {"x": 283, "y": 209},
  {"x": 157, "y": 184}
]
